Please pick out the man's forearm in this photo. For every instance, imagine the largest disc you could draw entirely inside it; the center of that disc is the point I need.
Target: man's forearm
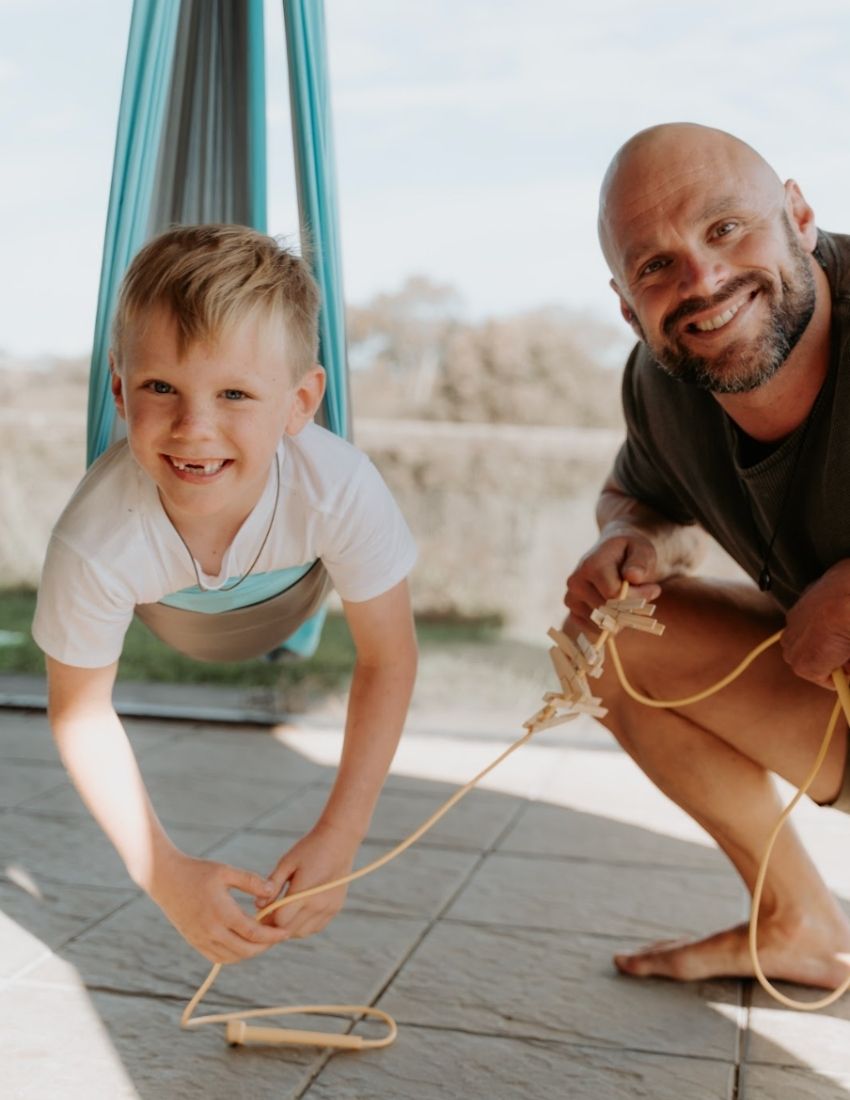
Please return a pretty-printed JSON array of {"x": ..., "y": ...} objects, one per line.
[
  {"x": 679, "y": 549},
  {"x": 377, "y": 707},
  {"x": 102, "y": 767}
]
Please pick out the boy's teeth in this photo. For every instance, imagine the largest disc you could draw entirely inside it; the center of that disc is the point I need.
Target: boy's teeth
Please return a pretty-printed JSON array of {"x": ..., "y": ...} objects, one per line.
[
  {"x": 717, "y": 322},
  {"x": 211, "y": 467}
]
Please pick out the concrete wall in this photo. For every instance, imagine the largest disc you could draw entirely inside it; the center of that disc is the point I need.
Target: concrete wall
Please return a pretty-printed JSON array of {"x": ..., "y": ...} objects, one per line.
[{"x": 501, "y": 513}]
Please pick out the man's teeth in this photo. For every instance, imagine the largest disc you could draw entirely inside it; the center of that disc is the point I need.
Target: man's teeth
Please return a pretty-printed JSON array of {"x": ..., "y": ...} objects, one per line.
[
  {"x": 717, "y": 322},
  {"x": 208, "y": 467}
]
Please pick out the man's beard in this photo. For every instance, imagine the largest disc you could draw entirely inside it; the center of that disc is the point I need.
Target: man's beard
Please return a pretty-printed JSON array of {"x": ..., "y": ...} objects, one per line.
[{"x": 743, "y": 367}]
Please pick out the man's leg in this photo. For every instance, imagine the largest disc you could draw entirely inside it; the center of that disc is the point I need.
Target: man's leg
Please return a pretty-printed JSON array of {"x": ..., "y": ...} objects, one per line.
[{"x": 714, "y": 758}]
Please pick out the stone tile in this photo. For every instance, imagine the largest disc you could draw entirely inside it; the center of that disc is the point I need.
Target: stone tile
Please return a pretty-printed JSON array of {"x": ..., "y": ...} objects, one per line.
[
  {"x": 543, "y": 829},
  {"x": 73, "y": 1045},
  {"x": 255, "y": 756},
  {"x": 137, "y": 951},
  {"x": 772, "y": 1083},
  {"x": 186, "y": 797},
  {"x": 542, "y": 985},
  {"x": 606, "y": 783},
  {"x": 19, "y": 781},
  {"x": 33, "y": 922},
  {"x": 588, "y": 897},
  {"x": 25, "y": 736},
  {"x": 418, "y": 884},
  {"x": 474, "y": 823},
  {"x": 75, "y": 851},
  {"x": 784, "y": 1037},
  {"x": 430, "y": 1065}
]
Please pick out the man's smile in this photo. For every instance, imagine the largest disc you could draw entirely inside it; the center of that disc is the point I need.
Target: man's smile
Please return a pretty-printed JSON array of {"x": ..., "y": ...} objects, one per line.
[{"x": 719, "y": 319}]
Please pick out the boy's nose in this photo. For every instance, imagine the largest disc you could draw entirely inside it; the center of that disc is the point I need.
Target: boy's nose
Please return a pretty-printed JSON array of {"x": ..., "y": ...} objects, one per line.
[{"x": 192, "y": 420}]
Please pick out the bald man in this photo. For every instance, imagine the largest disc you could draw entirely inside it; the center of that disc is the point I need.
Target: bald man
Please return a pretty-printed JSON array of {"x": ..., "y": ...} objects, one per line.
[{"x": 737, "y": 404}]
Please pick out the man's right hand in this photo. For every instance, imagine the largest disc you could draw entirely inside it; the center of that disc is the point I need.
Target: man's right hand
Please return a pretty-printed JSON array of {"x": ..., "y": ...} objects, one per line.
[
  {"x": 195, "y": 896},
  {"x": 599, "y": 575}
]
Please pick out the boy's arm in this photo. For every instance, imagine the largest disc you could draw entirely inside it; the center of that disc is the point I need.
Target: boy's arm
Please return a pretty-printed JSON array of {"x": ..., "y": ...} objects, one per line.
[
  {"x": 384, "y": 673},
  {"x": 193, "y": 893}
]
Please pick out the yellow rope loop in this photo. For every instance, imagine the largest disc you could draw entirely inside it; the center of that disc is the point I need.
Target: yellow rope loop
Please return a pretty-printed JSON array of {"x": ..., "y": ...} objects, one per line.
[{"x": 573, "y": 663}]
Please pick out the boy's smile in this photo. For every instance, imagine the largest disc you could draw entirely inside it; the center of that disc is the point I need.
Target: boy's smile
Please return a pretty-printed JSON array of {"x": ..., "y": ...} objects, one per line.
[{"x": 205, "y": 425}]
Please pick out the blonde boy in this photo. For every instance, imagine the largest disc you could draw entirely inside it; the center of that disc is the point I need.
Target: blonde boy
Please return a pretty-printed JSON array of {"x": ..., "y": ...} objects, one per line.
[{"x": 224, "y": 483}]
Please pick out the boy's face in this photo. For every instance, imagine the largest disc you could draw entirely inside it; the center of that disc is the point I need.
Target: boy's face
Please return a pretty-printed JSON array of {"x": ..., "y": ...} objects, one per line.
[{"x": 205, "y": 426}]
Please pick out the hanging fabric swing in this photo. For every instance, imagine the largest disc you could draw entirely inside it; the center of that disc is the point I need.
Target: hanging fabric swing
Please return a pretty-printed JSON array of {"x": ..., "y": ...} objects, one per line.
[{"x": 191, "y": 148}]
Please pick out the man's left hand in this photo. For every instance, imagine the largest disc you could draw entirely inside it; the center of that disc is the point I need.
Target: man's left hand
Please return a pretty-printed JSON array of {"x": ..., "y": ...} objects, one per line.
[{"x": 816, "y": 639}]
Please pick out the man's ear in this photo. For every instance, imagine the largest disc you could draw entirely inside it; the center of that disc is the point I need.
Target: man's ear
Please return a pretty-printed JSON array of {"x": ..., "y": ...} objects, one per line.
[
  {"x": 626, "y": 311},
  {"x": 801, "y": 216},
  {"x": 307, "y": 398},
  {"x": 117, "y": 387}
]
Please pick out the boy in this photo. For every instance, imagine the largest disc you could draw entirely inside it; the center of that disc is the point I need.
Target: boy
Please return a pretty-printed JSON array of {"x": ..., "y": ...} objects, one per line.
[{"x": 223, "y": 481}]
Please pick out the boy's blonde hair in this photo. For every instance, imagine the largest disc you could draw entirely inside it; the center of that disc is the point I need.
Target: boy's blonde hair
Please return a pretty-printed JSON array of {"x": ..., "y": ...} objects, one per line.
[{"x": 211, "y": 276}]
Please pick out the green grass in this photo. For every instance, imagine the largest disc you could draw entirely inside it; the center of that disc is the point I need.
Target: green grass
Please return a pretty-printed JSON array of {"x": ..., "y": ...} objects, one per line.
[{"x": 145, "y": 658}]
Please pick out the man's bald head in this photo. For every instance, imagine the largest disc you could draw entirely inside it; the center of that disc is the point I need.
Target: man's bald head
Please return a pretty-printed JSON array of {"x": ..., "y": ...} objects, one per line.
[{"x": 657, "y": 162}]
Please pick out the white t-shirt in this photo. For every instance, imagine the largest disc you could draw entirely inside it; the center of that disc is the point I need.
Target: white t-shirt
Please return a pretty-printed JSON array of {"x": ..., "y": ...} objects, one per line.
[{"x": 114, "y": 546}]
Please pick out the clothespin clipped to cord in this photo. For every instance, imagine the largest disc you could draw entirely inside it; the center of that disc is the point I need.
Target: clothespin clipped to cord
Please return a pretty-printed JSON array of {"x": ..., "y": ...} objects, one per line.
[{"x": 575, "y": 661}]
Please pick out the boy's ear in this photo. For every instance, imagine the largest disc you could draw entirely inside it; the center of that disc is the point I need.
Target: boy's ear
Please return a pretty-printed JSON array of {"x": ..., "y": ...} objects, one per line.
[
  {"x": 117, "y": 387},
  {"x": 307, "y": 398}
]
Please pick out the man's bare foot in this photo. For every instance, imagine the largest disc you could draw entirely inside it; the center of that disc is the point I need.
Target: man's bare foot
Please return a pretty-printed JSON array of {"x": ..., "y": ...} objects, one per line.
[{"x": 808, "y": 956}]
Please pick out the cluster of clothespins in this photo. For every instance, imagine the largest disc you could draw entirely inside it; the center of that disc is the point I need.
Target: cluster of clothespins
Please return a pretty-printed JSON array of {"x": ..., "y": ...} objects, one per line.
[{"x": 577, "y": 661}]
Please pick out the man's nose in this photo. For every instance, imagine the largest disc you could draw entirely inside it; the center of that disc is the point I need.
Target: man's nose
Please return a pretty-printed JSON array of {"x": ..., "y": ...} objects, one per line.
[{"x": 701, "y": 274}]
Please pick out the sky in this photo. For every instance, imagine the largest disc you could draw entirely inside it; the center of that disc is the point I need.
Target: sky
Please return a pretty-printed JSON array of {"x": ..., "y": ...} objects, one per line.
[{"x": 471, "y": 137}]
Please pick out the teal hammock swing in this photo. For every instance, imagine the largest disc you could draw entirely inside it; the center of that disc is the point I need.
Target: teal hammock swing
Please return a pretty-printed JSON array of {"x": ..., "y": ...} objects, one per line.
[{"x": 191, "y": 148}]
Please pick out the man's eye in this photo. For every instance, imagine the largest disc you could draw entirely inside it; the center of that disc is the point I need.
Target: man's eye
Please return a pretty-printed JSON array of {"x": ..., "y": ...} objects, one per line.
[
  {"x": 235, "y": 395},
  {"x": 652, "y": 267}
]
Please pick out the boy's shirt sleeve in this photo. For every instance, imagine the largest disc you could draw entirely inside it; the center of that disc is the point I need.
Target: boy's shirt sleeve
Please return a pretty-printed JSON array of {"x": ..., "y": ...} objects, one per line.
[
  {"x": 81, "y": 614},
  {"x": 368, "y": 546}
]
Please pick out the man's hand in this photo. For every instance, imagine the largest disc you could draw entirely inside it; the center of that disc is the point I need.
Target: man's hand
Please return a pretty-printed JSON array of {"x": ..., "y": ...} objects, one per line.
[
  {"x": 816, "y": 639},
  {"x": 324, "y": 854},
  {"x": 195, "y": 896},
  {"x": 600, "y": 573}
]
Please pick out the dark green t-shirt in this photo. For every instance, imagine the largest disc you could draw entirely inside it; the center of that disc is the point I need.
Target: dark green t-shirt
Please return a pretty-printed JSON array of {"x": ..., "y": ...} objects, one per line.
[{"x": 684, "y": 456}]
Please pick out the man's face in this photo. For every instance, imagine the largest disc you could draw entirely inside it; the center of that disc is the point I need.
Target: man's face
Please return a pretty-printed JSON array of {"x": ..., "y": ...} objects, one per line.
[{"x": 715, "y": 279}]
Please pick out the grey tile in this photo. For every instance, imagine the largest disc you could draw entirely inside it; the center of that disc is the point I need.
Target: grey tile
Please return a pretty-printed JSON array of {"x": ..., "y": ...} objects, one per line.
[
  {"x": 474, "y": 823},
  {"x": 45, "y": 915},
  {"x": 75, "y": 851},
  {"x": 25, "y": 736},
  {"x": 254, "y": 756},
  {"x": 69, "y": 1044},
  {"x": 22, "y": 781},
  {"x": 185, "y": 797},
  {"x": 784, "y": 1037},
  {"x": 418, "y": 883},
  {"x": 543, "y": 829},
  {"x": 773, "y": 1083},
  {"x": 544, "y": 985},
  {"x": 589, "y": 897},
  {"x": 138, "y": 951},
  {"x": 430, "y": 1065}
]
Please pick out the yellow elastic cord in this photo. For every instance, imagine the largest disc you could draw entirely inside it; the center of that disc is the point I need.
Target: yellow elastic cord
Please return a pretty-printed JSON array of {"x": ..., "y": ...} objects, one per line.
[
  {"x": 841, "y": 703},
  {"x": 239, "y": 1032}
]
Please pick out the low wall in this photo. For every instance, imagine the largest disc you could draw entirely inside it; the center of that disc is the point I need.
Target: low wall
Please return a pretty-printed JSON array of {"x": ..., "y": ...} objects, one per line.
[{"x": 501, "y": 513}]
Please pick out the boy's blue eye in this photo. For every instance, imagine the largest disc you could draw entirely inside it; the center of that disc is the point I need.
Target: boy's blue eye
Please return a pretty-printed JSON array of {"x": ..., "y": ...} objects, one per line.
[
  {"x": 160, "y": 387},
  {"x": 234, "y": 395}
]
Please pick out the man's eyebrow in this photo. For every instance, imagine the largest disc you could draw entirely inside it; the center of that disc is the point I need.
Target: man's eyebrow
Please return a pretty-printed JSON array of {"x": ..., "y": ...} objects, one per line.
[{"x": 709, "y": 213}]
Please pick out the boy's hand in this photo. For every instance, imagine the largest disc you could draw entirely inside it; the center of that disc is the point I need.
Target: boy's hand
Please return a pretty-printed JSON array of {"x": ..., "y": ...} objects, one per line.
[
  {"x": 195, "y": 896},
  {"x": 324, "y": 854}
]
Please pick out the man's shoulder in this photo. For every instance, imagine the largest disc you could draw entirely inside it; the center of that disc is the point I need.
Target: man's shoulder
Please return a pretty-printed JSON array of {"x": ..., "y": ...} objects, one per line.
[{"x": 833, "y": 254}]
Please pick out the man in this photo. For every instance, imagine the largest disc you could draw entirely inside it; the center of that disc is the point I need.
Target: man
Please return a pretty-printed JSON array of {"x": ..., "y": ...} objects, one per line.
[{"x": 737, "y": 405}]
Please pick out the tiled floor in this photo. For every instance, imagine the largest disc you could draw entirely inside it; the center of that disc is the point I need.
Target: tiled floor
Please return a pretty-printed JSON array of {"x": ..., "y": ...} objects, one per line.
[{"x": 490, "y": 941}]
